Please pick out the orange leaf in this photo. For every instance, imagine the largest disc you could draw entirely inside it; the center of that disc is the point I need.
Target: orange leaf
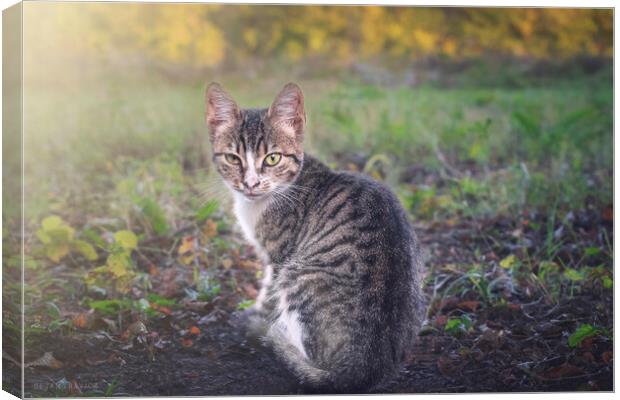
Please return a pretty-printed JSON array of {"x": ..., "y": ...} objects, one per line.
[
  {"x": 227, "y": 263},
  {"x": 153, "y": 270},
  {"x": 187, "y": 245},
  {"x": 608, "y": 213},
  {"x": 249, "y": 264},
  {"x": 194, "y": 330},
  {"x": 210, "y": 229},
  {"x": 83, "y": 320},
  {"x": 607, "y": 357},
  {"x": 562, "y": 371},
  {"x": 250, "y": 290},
  {"x": 471, "y": 305},
  {"x": 164, "y": 310},
  {"x": 441, "y": 320}
]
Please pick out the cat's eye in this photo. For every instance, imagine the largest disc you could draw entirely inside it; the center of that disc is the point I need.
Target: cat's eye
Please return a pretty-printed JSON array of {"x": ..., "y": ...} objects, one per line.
[
  {"x": 233, "y": 159},
  {"x": 272, "y": 159}
]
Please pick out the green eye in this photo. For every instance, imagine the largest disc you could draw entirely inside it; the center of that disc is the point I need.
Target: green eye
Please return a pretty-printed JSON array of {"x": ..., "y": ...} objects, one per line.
[
  {"x": 233, "y": 159},
  {"x": 272, "y": 159}
]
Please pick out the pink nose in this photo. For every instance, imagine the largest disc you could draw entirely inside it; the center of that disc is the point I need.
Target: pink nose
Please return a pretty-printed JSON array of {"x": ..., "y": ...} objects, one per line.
[{"x": 250, "y": 183}]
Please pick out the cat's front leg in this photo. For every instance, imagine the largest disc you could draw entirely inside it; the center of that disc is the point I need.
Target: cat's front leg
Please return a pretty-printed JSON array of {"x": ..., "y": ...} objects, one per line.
[
  {"x": 258, "y": 315},
  {"x": 266, "y": 284}
]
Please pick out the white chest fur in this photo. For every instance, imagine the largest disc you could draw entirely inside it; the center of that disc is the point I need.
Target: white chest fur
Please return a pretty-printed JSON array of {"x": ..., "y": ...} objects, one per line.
[
  {"x": 288, "y": 325},
  {"x": 248, "y": 213}
]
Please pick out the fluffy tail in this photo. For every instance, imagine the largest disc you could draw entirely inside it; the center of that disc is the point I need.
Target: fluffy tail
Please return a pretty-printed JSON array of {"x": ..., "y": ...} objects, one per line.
[{"x": 298, "y": 362}]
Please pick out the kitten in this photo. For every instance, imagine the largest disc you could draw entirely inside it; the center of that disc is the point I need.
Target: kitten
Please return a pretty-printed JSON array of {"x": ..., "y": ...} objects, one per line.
[{"x": 340, "y": 300}]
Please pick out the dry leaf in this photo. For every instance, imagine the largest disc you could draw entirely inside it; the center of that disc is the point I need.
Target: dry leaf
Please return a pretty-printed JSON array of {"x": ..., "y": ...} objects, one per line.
[
  {"x": 608, "y": 213},
  {"x": 562, "y": 371},
  {"x": 210, "y": 229},
  {"x": 250, "y": 290},
  {"x": 187, "y": 245},
  {"x": 227, "y": 263},
  {"x": 249, "y": 264},
  {"x": 194, "y": 330},
  {"x": 441, "y": 320},
  {"x": 46, "y": 360},
  {"x": 471, "y": 305},
  {"x": 84, "y": 320},
  {"x": 153, "y": 270}
]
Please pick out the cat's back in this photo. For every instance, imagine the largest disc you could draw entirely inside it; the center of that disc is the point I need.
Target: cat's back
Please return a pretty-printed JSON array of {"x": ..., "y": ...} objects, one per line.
[{"x": 347, "y": 208}]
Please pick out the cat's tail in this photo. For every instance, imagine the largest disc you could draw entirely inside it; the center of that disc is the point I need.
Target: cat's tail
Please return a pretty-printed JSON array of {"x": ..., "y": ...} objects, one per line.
[{"x": 298, "y": 362}]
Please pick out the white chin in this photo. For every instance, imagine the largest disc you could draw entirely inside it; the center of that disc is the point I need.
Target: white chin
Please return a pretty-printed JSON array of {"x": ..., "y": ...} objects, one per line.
[{"x": 253, "y": 198}]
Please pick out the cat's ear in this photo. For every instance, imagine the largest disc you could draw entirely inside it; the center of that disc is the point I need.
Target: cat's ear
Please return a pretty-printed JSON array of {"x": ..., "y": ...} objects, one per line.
[
  {"x": 222, "y": 112},
  {"x": 287, "y": 111}
]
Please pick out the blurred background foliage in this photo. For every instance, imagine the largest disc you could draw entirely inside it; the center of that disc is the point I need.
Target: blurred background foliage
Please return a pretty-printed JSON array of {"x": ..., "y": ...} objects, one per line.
[{"x": 199, "y": 37}]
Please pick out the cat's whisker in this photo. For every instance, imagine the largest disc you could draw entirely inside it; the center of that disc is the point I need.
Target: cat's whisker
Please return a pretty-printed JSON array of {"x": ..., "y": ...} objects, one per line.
[{"x": 289, "y": 197}]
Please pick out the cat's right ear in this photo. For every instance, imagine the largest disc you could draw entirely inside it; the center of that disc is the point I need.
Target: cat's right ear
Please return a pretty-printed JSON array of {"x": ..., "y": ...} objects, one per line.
[{"x": 222, "y": 112}]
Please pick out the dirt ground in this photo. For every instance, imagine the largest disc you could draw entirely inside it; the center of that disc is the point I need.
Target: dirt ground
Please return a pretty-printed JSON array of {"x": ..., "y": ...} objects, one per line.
[{"x": 518, "y": 344}]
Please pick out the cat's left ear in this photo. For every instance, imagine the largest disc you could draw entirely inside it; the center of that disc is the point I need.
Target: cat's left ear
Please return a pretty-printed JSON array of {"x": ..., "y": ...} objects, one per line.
[{"x": 287, "y": 111}]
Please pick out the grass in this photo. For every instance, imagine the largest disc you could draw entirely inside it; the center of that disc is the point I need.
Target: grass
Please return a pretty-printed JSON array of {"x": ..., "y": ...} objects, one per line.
[{"x": 516, "y": 148}]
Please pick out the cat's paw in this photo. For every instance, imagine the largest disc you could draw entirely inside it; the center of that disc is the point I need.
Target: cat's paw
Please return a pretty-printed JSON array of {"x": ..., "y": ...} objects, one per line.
[{"x": 251, "y": 321}]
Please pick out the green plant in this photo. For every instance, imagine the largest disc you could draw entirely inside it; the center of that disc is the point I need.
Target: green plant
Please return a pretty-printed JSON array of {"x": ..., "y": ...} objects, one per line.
[
  {"x": 58, "y": 240},
  {"x": 117, "y": 274},
  {"x": 245, "y": 304},
  {"x": 458, "y": 326},
  {"x": 583, "y": 332}
]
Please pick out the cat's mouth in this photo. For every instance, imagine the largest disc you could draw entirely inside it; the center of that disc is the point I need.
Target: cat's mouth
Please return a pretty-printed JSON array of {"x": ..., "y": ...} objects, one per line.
[{"x": 253, "y": 196}]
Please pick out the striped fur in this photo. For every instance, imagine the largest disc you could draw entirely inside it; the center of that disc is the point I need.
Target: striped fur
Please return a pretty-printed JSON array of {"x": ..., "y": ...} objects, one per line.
[{"x": 341, "y": 299}]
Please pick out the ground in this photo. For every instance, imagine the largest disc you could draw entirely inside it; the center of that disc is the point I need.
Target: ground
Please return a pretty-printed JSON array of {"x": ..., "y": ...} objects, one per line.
[
  {"x": 135, "y": 270},
  {"x": 516, "y": 345}
]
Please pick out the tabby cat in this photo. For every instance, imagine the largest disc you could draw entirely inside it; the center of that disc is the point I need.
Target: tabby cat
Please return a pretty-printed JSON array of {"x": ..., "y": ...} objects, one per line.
[{"x": 340, "y": 300}]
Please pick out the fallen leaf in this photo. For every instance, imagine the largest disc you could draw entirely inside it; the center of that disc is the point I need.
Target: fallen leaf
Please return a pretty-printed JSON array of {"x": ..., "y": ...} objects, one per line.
[
  {"x": 194, "y": 330},
  {"x": 249, "y": 264},
  {"x": 471, "y": 305},
  {"x": 187, "y": 342},
  {"x": 607, "y": 357},
  {"x": 562, "y": 371},
  {"x": 441, "y": 320},
  {"x": 187, "y": 245},
  {"x": 490, "y": 340},
  {"x": 164, "y": 310},
  {"x": 448, "y": 303},
  {"x": 83, "y": 320},
  {"x": 46, "y": 360},
  {"x": 195, "y": 305},
  {"x": 136, "y": 329},
  {"x": 210, "y": 229},
  {"x": 127, "y": 239},
  {"x": 250, "y": 290},
  {"x": 608, "y": 213},
  {"x": 153, "y": 270},
  {"x": 508, "y": 262},
  {"x": 227, "y": 263}
]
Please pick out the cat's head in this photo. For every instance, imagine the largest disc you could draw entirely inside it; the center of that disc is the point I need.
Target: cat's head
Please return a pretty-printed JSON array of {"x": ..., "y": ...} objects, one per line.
[{"x": 256, "y": 151}]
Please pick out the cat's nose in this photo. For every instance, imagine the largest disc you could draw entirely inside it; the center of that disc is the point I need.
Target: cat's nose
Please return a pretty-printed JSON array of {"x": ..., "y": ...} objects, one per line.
[{"x": 250, "y": 183}]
